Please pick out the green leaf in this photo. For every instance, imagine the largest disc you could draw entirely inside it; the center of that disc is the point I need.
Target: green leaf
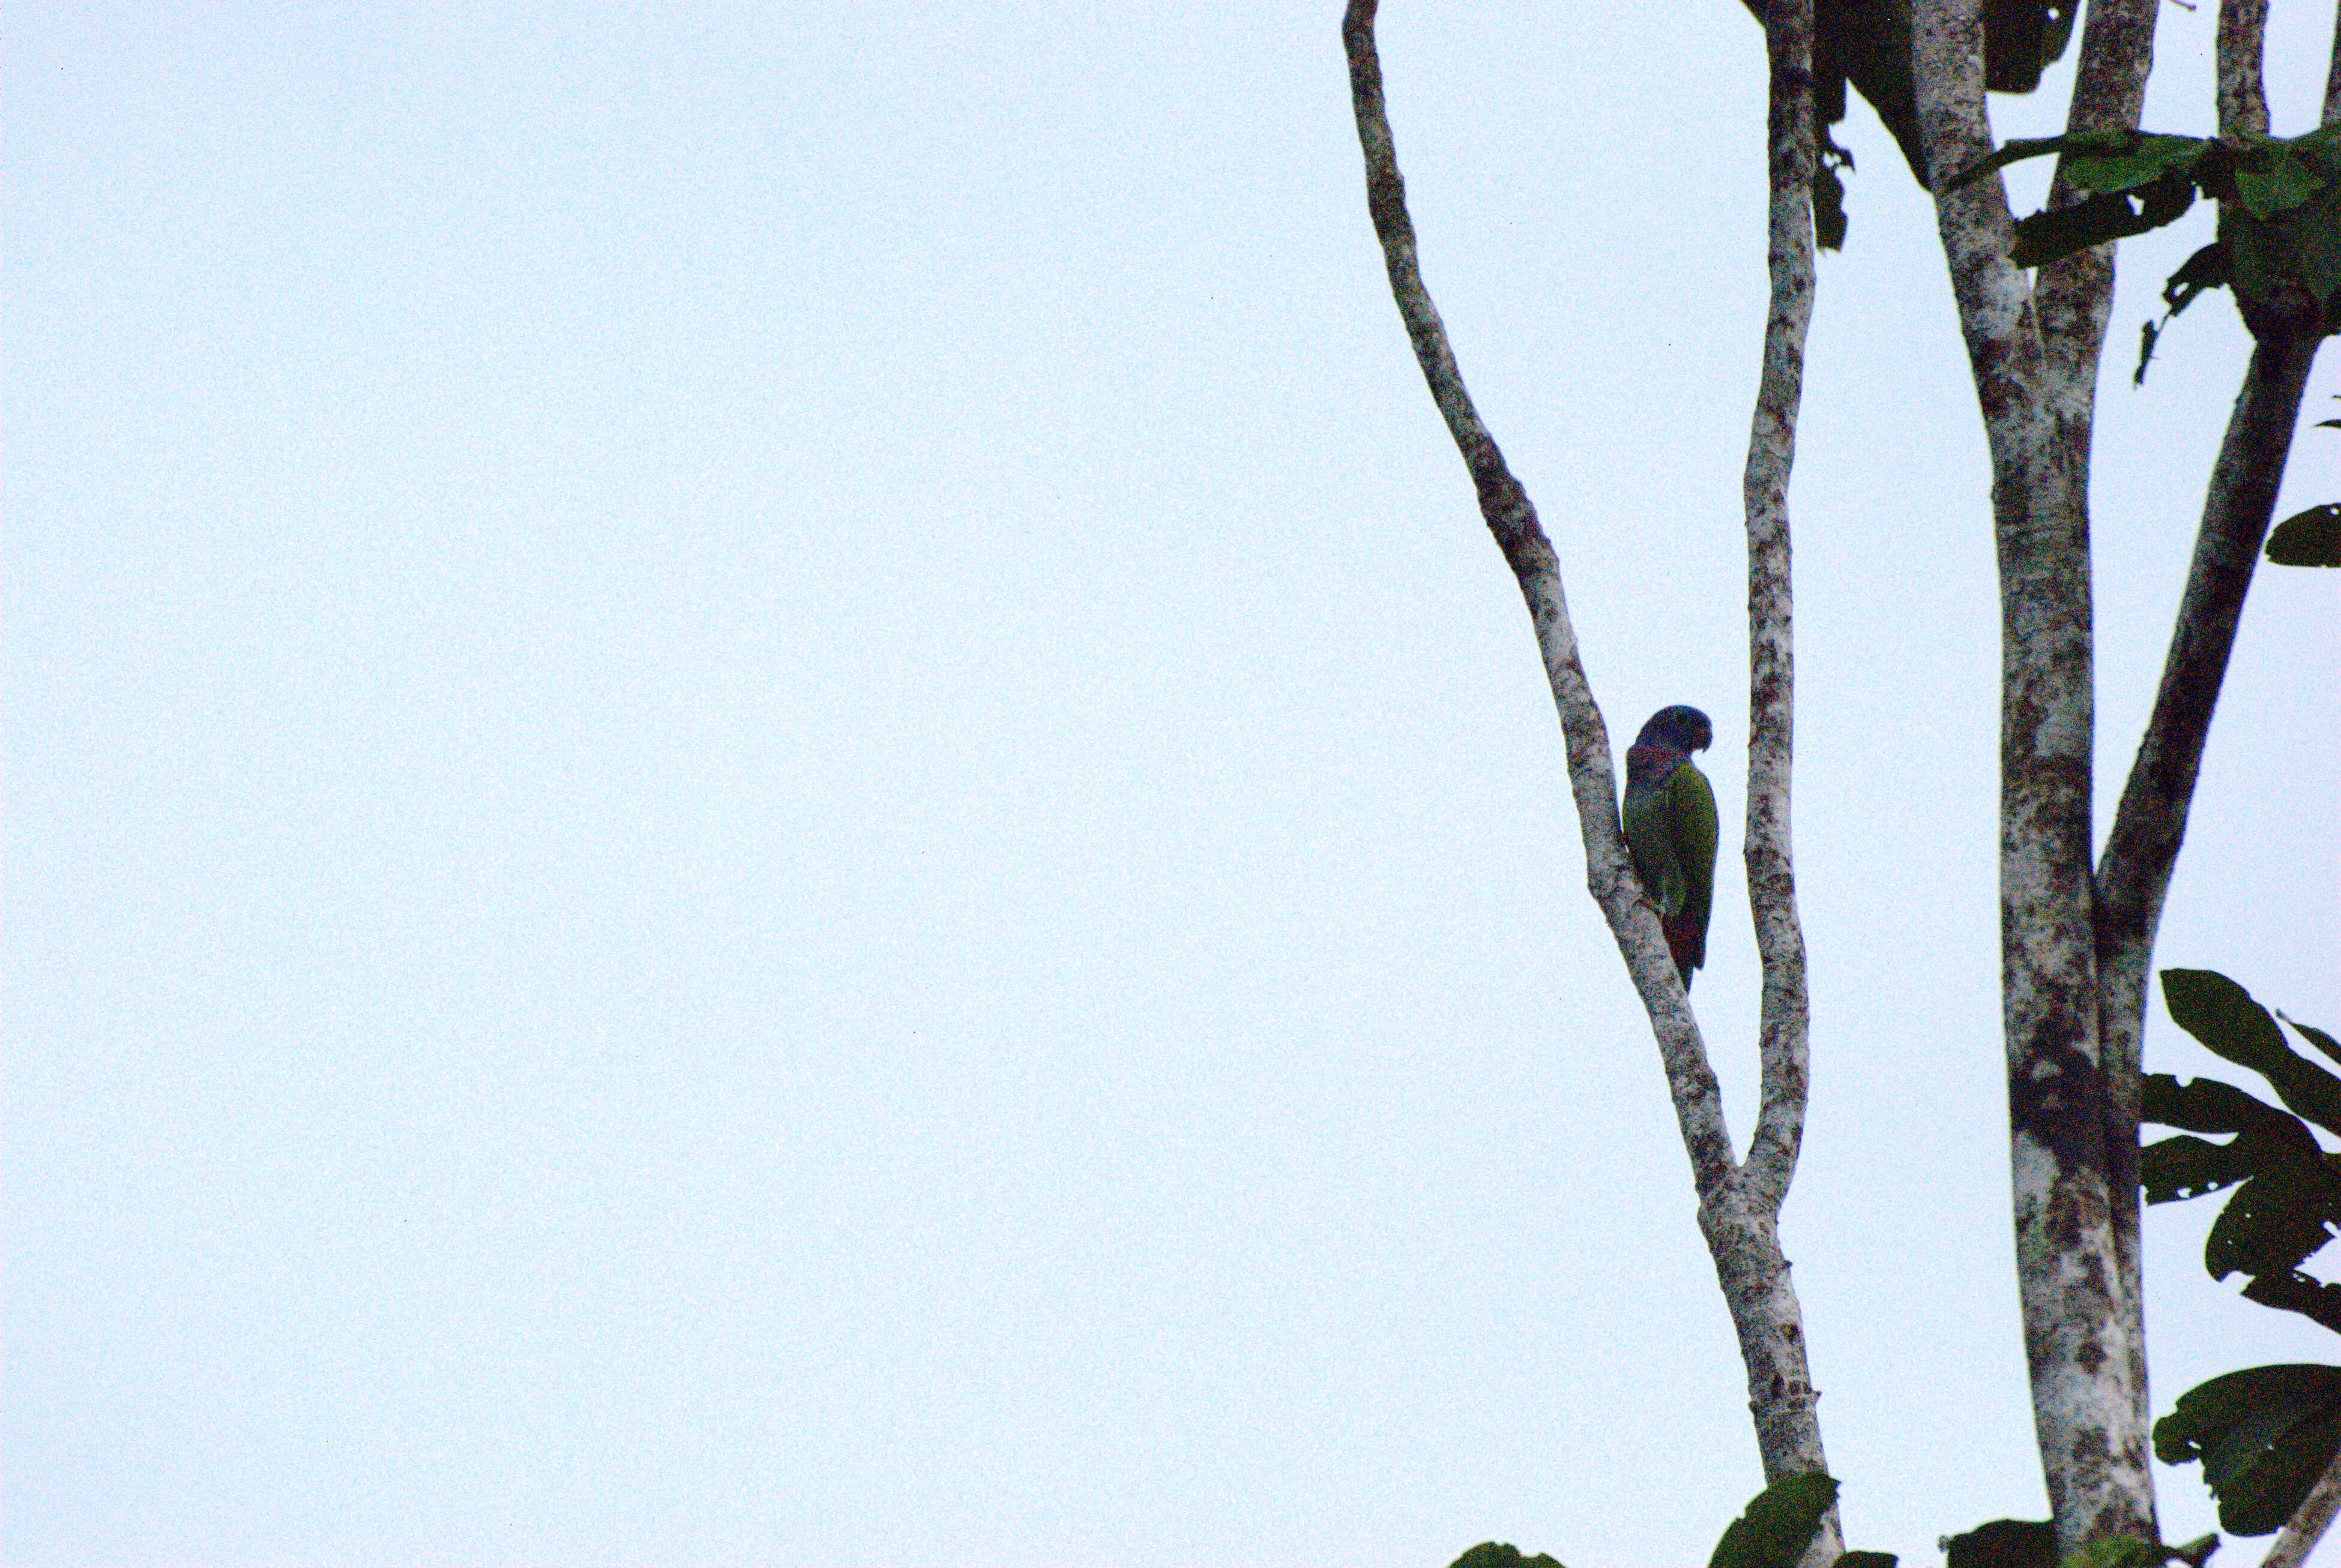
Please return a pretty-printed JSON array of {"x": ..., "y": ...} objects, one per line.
[
  {"x": 1778, "y": 1525},
  {"x": 2004, "y": 1543},
  {"x": 2019, "y": 151},
  {"x": 2101, "y": 160},
  {"x": 2311, "y": 538},
  {"x": 2321, "y": 146},
  {"x": 2263, "y": 1436},
  {"x": 2221, "y": 1014},
  {"x": 2150, "y": 160},
  {"x": 1498, "y": 1554},
  {"x": 2279, "y": 252},
  {"x": 2271, "y": 178},
  {"x": 2117, "y": 1552}
]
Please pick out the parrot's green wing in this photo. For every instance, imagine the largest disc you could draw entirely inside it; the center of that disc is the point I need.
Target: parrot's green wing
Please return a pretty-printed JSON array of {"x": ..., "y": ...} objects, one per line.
[
  {"x": 1690, "y": 824},
  {"x": 1650, "y": 834}
]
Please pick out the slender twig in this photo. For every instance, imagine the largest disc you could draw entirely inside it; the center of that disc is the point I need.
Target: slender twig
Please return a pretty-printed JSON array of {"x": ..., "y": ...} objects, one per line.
[
  {"x": 2308, "y": 1522},
  {"x": 1738, "y": 1212}
]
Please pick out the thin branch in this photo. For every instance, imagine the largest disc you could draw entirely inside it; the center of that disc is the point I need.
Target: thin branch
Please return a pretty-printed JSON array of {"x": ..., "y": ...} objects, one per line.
[
  {"x": 1741, "y": 1223},
  {"x": 2308, "y": 1524},
  {"x": 2242, "y": 99},
  {"x": 1784, "y": 1021},
  {"x": 1738, "y": 1212},
  {"x": 1510, "y": 517},
  {"x": 2134, "y": 875}
]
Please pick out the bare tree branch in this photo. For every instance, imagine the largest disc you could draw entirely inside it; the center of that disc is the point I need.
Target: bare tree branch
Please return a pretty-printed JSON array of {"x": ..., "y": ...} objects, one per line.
[
  {"x": 1743, "y": 1235},
  {"x": 1738, "y": 1213},
  {"x": 1783, "y": 1020},
  {"x": 2242, "y": 99},
  {"x": 2308, "y": 1522},
  {"x": 2034, "y": 359},
  {"x": 2134, "y": 876}
]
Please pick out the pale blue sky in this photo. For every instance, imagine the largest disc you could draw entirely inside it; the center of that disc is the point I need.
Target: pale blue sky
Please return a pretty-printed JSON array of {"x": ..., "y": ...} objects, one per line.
[{"x": 770, "y": 800}]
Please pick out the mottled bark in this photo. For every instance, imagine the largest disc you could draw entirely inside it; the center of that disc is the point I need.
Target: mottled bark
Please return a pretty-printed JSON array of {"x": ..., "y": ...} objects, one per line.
[
  {"x": 1738, "y": 1205},
  {"x": 2033, "y": 358},
  {"x": 2243, "y": 96},
  {"x": 1742, "y": 1233},
  {"x": 1771, "y": 651}
]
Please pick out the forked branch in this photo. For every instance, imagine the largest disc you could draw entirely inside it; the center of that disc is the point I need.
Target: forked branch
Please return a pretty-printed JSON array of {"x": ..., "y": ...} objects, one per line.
[{"x": 1738, "y": 1205}]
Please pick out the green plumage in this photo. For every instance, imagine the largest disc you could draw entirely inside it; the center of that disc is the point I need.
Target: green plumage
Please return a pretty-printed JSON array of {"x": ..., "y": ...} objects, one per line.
[{"x": 1670, "y": 828}]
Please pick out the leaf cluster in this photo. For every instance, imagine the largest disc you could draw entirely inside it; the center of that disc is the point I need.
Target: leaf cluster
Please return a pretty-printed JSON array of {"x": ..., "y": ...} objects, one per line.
[
  {"x": 2264, "y": 1434},
  {"x": 2278, "y": 244},
  {"x": 1781, "y": 1520}
]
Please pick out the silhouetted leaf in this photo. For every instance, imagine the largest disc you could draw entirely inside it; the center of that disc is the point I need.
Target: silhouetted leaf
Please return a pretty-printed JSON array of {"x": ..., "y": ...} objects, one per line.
[
  {"x": 2178, "y": 1168},
  {"x": 1779, "y": 1524},
  {"x": 2022, "y": 37},
  {"x": 2276, "y": 1220},
  {"x": 2294, "y": 1291},
  {"x": 2060, "y": 232},
  {"x": 2117, "y": 1552},
  {"x": 1866, "y": 1559},
  {"x": 1496, "y": 1554},
  {"x": 2263, "y": 1436},
  {"x": 2004, "y": 1543},
  {"x": 2317, "y": 1036},
  {"x": 1828, "y": 208},
  {"x": 2311, "y": 538},
  {"x": 2221, "y": 1014}
]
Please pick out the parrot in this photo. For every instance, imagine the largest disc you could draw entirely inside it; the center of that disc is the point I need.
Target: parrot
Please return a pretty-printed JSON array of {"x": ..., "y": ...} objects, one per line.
[{"x": 1670, "y": 828}]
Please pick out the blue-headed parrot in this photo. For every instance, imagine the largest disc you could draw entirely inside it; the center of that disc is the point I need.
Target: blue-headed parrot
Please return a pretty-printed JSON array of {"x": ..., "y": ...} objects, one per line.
[{"x": 1670, "y": 828}]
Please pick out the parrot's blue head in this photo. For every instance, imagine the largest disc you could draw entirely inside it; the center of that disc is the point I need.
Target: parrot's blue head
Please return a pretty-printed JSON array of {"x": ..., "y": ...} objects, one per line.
[{"x": 1685, "y": 728}]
